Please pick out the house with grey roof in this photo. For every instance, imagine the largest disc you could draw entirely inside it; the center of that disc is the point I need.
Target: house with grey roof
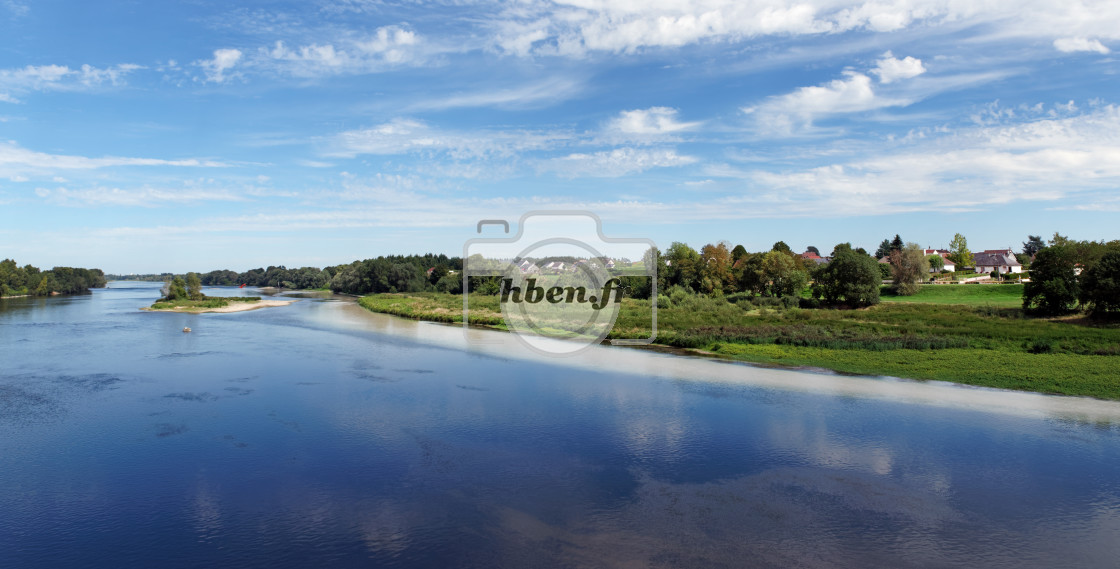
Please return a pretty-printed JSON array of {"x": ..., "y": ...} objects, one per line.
[{"x": 997, "y": 259}]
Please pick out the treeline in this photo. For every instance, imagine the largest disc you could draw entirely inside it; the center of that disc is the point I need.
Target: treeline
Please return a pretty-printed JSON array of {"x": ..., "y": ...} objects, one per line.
[
  {"x": 393, "y": 273},
  {"x": 851, "y": 276},
  {"x": 31, "y": 281}
]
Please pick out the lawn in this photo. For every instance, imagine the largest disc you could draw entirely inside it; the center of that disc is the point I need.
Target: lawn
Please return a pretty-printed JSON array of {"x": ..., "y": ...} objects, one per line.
[
  {"x": 935, "y": 336},
  {"x": 970, "y": 294}
]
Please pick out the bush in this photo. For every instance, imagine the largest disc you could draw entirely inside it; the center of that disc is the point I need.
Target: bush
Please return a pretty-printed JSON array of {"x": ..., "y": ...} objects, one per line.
[{"x": 1041, "y": 347}]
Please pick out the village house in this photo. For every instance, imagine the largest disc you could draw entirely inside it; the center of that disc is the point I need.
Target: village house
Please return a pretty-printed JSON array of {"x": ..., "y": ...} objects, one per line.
[
  {"x": 991, "y": 260},
  {"x": 811, "y": 256},
  {"x": 947, "y": 264},
  {"x": 528, "y": 268}
]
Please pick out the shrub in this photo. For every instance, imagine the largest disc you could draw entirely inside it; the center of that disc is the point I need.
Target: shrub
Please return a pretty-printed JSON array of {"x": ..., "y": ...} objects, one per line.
[{"x": 1041, "y": 347}]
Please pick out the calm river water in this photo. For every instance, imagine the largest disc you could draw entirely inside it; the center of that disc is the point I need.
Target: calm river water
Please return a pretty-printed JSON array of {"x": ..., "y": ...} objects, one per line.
[{"x": 319, "y": 435}]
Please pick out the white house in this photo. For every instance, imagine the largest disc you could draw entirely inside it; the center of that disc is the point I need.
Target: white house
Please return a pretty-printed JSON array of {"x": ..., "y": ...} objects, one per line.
[
  {"x": 947, "y": 264},
  {"x": 997, "y": 259},
  {"x": 528, "y": 268}
]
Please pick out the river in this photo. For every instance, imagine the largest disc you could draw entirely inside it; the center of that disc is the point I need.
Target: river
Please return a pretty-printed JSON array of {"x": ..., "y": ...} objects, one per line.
[{"x": 320, "y": 435}]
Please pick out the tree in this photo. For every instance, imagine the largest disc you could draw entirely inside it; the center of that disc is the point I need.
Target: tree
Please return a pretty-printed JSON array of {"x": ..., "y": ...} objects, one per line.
[
  {"x": 780, "y": 274},
  {"x": 1031, "y": 246},
  {"x": 909, "y": 267},
  {"x": 683, "y": 268},
  {"x": 1100, "y": 286},
  {"x": 781, "y": 247},
  {"x": 175, "y": 289},
  {"x": 959, "y": 253},
  {"x": 1059, "y": 240},
  {"x": 813, "y": 250},
  {"x": 438, "y": 272},
  {"x": 750, "y": 273},
  {"x": 884, "y": 249},
  {"x": 936, "y": 262},
  {"x": 738, "y": 253},
  {"x": 896, "y": 243},
  {"x": 194, "y": 287},
  {"x": 1053, "y": 288},
  {"x": 851, "y": 278},
  {"x": 715, "y": 269}
]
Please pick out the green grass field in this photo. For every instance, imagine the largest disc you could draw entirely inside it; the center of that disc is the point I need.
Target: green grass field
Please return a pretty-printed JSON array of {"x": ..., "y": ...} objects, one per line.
[
  {"x": 970, "y": 294},
  {"x": 936, "y": 336}
]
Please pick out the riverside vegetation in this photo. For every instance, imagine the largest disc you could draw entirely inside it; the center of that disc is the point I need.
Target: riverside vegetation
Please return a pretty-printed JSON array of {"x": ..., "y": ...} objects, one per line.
[
  {"x": 974, "y": 341},
  {"x": 31, "y": 281}
]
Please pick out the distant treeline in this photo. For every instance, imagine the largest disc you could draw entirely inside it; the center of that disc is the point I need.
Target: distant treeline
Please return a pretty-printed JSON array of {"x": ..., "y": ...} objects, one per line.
[
  {"x": 28, "y": 280},
  {"x": 394, "y": 273}
]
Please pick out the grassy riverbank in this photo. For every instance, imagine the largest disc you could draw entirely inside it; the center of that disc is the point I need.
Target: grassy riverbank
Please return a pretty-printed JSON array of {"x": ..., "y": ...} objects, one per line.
[{"x": 978, "y": 343}]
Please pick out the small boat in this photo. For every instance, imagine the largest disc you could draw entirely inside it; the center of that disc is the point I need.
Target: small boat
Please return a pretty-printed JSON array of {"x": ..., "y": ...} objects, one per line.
[{"x": 186, "y": 329}]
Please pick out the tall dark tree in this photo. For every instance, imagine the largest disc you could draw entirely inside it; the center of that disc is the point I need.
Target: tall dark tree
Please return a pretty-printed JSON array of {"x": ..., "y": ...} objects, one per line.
[
  {"x": 1100, "y": 286},
  {"x": 1031, "y": 246},
  {"x": 781, "y": 247},
  {"x": 884, "y": 249},
  {"x": 1053, "y": 288},
  {"x": 896, "y": 243},
  {"x": 814, "y": 250}
]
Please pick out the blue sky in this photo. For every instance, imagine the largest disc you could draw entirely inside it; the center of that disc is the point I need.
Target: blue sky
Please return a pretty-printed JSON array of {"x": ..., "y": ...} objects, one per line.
[{"x": 195, "y": 135}]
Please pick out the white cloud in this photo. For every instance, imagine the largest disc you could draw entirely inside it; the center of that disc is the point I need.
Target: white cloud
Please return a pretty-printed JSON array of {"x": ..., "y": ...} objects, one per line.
[
  {"x": 785, "y": 114},
  {"x": 890, "y": 69},
  {"x": 655, "y": 124},
  {"x": 614, "y": 163},
  {"x": 579, "y": 27},
  {"x": 1041, "y": 159},
  {"x": 216, "y": 67},
  {"x": 387, "y": 47},
  {"x": 1068, "y": 45}
]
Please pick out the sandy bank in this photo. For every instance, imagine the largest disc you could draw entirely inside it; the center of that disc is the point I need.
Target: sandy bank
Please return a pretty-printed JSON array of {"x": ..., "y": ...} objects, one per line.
[{"x": 231, "y": 307}]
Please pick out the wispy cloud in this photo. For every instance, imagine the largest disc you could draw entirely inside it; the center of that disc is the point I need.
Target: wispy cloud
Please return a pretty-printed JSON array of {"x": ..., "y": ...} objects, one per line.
[
  {"x": 16, "y": 160},
  {"x": 405, "y": 136},
  {"x": 615, "y": 163},
  {"x": 142, "y": 197},
  {"x": 530, "y": 95},
  {"x": 59, "y": 78}
]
